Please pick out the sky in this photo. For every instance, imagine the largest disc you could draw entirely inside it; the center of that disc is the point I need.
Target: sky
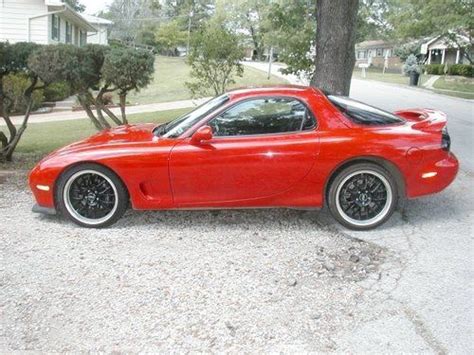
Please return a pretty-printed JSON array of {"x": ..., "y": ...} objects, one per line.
[{"x": 94, "y": 6}]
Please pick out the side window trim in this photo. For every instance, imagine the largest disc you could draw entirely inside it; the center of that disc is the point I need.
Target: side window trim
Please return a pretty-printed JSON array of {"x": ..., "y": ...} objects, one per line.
[{"x": 225, "y": 109}]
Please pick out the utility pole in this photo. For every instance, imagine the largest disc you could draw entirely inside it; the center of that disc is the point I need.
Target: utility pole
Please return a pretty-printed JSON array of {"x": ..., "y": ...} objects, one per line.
[
  {"x": 270, "y": 59},
  {"x": 191, "y": 13}
]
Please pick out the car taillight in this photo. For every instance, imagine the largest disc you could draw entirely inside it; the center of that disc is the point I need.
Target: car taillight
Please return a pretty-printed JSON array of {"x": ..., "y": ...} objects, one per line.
[{"x": 445, "y": 139}]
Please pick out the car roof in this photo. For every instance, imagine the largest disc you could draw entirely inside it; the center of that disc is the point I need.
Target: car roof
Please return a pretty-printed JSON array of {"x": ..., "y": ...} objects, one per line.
[{"x": 297, "y": 90}]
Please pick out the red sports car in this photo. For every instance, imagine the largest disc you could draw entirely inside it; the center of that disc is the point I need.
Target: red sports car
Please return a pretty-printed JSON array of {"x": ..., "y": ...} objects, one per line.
[{"x": 288, "y": 146}]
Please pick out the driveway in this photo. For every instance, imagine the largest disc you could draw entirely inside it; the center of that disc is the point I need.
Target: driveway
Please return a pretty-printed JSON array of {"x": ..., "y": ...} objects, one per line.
[{"x": 237, "y": 281}]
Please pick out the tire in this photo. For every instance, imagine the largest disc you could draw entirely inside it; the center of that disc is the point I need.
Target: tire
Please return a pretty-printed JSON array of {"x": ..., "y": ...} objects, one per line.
[
  {"x": 362, "y": 196},
  {"x": 91, "y": 195}
]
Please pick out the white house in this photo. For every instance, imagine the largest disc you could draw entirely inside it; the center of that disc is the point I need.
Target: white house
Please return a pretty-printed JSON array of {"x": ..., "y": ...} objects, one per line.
[
  {"x": 44, "y": 22},
  {"x": 102, "y": 26},
  {"x": 444, "y": 50}
]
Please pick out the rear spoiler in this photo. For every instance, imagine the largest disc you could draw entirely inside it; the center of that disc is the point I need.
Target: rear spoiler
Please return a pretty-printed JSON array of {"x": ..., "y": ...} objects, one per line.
[{"x": 424, "y": 119}]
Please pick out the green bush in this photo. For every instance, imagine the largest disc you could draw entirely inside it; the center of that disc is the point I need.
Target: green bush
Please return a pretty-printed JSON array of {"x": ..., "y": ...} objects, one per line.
[
  {"x": 453, "y": 69},
  {"x": 57, "y": 91},
  {"x": 435, "y": 69},
  {"x": 461, "y": 69},
  {"x": 14, "y": 86}
]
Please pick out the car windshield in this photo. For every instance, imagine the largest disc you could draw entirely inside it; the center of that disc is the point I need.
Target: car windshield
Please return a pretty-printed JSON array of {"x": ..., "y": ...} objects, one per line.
[
  {"x": 363, "y": 114},
  {"x": 180, "y": 125}
]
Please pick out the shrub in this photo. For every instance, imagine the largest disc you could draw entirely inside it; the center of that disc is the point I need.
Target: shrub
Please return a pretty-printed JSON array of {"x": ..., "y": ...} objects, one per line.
[
  {"x": 435, "y": 69},
  {"x": 15, "y": 86},
  {"x": 57, "y": 91},
  {"x": 466, "y": 70},
  {"x": 461, "y": 69},
  {"x": 411, "y": 65},
  {"x": 127, "y": 70}
]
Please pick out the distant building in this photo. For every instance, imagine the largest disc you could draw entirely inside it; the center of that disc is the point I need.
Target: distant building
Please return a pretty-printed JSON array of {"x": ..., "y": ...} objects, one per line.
[
  {"x": 377, "y": 53},
  {"x": 45, "y": 22},
  {"x": 101, "y": 36},
  {"x": 443, "y": 50}
]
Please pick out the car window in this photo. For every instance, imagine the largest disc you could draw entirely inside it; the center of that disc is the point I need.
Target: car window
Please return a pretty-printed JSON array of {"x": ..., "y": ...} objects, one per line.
[
  {"x": 263, "y": 116},
  {"x": 178, "y": 126},
  {"x": 362, "y": 113}
]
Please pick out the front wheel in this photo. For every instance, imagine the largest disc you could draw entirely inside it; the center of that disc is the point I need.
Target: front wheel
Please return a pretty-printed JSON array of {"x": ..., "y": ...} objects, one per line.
[
  {"x": 91, "y": 196},
  {"x": 362, "y": 196}
]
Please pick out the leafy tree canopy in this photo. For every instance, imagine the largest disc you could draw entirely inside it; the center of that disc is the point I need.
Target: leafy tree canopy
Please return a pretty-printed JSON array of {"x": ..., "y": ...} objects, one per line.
[
  {"x": 169, "y": 36},
  {"x": 215, "y": 58},
  {"x": 292, "y": 29},
  {"x": 76, "y": 5},
  {"x": 415, "y": 18}
]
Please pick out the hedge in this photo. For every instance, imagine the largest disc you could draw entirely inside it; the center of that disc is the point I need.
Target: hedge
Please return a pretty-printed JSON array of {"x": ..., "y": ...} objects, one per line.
[{"x": 453, "y": 69}]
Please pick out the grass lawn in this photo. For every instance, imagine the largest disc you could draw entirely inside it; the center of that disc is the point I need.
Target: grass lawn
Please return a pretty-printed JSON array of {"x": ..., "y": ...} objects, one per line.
[
  {"x": 172, "y": 72},
  {"x": 395, "y": 78},
  {"x": 41, "y": 138},
  {"x": 463, "y": 86}
]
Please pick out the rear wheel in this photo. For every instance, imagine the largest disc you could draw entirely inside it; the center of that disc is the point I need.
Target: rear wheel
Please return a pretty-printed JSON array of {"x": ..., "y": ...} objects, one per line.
[
  {"x": 362, "y": 196},
  {"x": 91, "y": 196}
]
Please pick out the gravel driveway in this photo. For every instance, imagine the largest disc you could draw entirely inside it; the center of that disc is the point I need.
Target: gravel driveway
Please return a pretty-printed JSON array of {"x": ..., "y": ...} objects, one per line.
[{"x": 253, "y": 280}]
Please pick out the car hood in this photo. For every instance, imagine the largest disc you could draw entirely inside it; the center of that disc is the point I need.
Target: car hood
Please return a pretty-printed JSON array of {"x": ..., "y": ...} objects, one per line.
[
  {"x": 116, "y": 136},
  {"x": 109, "y": 138}
]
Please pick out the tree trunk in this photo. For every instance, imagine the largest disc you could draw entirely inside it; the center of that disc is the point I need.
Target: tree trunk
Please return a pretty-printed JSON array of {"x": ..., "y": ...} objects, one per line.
[
  {"x": 335, "y": 40},
  {"x": 99, "y": 102},
  {"x": 16, "y": 139},
  {"x": 123, "y": 102},
  {"x": 89, "y": 112},
  {"x": 9, "y": 145}
]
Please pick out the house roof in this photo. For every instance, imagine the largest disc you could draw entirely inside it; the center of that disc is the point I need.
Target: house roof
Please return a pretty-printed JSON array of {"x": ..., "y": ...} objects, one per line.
[
  {"x": 70, "y": 14},
  {"x": 97, "y": 20},
  {"x": 374, "y": 44},
  {"x": 440, "y": 42}
]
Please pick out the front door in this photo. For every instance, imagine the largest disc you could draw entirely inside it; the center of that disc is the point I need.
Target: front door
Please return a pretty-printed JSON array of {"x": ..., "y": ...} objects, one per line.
[{"x": 261, "y": 147}]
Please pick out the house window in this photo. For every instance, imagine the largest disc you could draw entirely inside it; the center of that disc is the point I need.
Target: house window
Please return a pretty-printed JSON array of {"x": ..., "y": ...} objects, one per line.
[
  {"x": 361, "y": 55},
  {"x": 379, "y": 52},
  {"x": 55, "y": 27},
  {"x": 83, "y": 38},
  {"x": 68, "y": 32}
]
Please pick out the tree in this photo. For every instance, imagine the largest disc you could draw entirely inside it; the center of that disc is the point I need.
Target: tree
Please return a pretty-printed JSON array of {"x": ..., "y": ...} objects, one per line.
[
  {"x": 335, "y": 41},
  {"x": 215, "y": 59},
  {"x": 76, "y": 5},
  {"x": 130, "y": 17},
  {"x": 14, "y": 60},
  {"x": 413, "y": 19},
  {"x": 169, "y": 36},
  {"x": 250, "y": 15},
  {"x": 189, "y": 13},
  {"x": 127, "y": 70},
  {"x": 372, "y": 20},
  {"x": 292, "y": 28}
]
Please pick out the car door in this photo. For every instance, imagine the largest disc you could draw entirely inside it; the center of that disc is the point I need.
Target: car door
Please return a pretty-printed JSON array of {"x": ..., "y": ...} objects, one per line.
[{"x": 260, "y": 147}]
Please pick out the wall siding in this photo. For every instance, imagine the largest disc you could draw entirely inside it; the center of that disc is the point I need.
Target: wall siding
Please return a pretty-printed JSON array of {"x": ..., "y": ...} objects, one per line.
[
  {"x": 99, "y": 37},
  {"x": 13, "y": 20},
  {"x": 14, "y": 16}
]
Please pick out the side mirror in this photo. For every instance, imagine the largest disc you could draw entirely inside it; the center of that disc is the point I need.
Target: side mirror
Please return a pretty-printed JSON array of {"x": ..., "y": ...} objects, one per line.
[{"x": 204, "y": 133}]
